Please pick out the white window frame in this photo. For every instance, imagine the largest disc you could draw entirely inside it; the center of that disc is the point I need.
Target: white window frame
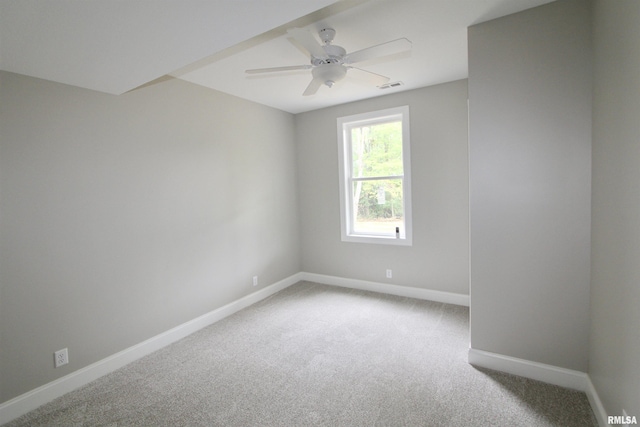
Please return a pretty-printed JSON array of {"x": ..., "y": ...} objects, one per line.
[{"x": 346, "y": 180}]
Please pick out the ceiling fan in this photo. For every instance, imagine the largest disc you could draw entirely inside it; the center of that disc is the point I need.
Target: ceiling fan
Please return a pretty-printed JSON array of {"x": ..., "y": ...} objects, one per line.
[{"x": 329, "y": 63}]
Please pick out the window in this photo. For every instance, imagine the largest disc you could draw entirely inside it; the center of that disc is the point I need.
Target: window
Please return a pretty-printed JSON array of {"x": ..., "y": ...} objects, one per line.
[{"x": 375, "y": 184}]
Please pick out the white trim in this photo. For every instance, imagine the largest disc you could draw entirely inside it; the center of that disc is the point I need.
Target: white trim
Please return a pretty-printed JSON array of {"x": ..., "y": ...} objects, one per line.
[
  {"x": 596, "y": 403},
  {"x": 385, "y": 288},
  {"x": 31, "y": 400},
  {"x": 347, "y": 218},
  {"x": 547, "y": 373},
  {"x": 550, "y": 374}
]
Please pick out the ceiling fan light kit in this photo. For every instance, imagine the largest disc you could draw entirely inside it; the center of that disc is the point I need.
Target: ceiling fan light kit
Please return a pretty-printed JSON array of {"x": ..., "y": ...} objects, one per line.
[
  {"x": 329, "y": 73},
  {"x": 329, "y": 63}
]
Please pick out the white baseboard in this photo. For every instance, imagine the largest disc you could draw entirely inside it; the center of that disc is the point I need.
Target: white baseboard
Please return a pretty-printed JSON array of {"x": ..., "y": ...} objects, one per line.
[
  {"x": 385, "y": 288},
  {"x": 29, "y": 401},
  {"x": 550, "y": 374},
  {"x": 559, "y": 376},
  {"x": 596, "y": 404}
]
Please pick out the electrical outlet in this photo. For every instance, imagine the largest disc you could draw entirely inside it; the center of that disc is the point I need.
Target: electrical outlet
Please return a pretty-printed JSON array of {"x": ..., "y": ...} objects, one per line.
[
  {"x": 389, "y": 274},
  {"x": 61, "y": 357},
  {"x": 255, "y": 280}
]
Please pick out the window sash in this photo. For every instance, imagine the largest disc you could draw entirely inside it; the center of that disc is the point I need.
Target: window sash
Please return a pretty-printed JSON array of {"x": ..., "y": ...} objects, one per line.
[
  {"x": 349, "y": 211},
  {"x": 377, "y": 178},
  {"x": 374, "y": 225}
]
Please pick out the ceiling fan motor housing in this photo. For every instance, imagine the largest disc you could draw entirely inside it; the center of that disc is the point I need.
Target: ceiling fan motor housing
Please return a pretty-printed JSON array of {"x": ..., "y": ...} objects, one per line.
[{"x": 334, "y": 55}]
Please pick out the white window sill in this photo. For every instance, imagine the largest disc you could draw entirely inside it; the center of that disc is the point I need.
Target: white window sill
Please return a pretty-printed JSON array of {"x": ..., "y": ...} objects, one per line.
[{"x": 380, "y": 240}]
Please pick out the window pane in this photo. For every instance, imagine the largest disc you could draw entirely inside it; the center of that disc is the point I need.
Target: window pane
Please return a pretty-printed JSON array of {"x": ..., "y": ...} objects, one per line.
[
  {"x": 376, "y": 150},
  {"x": 378, "y": 206}
]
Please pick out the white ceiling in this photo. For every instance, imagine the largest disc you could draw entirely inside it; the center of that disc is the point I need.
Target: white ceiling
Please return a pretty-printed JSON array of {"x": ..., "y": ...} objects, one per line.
[{"x": 116, "y": 46}]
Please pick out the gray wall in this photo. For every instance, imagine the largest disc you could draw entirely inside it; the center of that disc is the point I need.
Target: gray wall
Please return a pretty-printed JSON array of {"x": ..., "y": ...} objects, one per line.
[
  {"x": 614, "y": 363},
  {"x": 530, "y": 171},
  {"x": 122, "y": 217},
  {"x": 439, "y": 257}
]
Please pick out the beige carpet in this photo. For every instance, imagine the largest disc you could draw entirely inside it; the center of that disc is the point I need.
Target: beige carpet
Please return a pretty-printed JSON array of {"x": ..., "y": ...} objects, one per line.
[{"x": 319, "y": 355}]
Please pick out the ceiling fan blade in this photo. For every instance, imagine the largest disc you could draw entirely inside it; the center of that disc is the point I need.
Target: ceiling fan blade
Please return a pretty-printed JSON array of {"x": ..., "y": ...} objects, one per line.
[
  {"x": 384, "y": 49},
  {"x": 307, "y": 41},
  {"x": 313, "y": 87},
  {"x": 270, "y": 70},
  {"x": 372, "y": 78}
]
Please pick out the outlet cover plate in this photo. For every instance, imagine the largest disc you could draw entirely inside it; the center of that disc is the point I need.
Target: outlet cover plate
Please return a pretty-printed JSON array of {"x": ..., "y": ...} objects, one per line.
[{"x": 61, "y": 357}]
